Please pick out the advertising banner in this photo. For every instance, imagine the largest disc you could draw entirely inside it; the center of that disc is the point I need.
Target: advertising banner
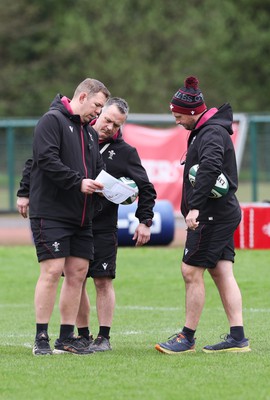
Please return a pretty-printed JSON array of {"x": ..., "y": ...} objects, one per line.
[
  {"x": 254, "y": 229},
  {"x": 162, "y": 152}
]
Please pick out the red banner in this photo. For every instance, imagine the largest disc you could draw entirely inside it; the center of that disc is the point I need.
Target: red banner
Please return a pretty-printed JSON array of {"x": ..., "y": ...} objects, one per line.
[
  {"x": 254, "y": 229},
  {"x": 161, "y": 152}
]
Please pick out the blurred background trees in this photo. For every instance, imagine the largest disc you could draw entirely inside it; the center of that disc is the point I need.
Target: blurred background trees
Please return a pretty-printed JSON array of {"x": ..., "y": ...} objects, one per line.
[{"x": 141, "y": 49}]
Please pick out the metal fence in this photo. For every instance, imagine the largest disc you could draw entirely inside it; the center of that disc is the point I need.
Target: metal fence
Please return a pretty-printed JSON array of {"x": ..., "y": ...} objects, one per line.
[{"x": 16, "y": 148}]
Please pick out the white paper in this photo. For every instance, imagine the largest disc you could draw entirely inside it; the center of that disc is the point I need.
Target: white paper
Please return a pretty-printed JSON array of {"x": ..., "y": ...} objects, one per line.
[{"x": 114, "y": 190}]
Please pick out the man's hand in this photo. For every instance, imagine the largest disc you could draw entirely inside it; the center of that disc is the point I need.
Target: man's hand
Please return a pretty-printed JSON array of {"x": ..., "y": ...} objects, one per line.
[
  {"x": 141, "y": 235},
  {"x": 191, "y": 219},
  {"x": 89, "y": 186},
  {"x": 23, "y": 205}
]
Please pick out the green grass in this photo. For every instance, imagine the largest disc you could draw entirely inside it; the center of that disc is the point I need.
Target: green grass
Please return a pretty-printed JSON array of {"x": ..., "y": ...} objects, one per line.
[{"x": 150, "y": 307}]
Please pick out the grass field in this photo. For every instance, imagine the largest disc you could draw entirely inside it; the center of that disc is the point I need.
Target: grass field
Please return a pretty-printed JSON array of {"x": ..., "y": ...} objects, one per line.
[{"x": 150, "y": 307}]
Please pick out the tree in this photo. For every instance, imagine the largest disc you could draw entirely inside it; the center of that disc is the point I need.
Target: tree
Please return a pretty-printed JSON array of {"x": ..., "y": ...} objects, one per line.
[{"x": 141, "y": 49}]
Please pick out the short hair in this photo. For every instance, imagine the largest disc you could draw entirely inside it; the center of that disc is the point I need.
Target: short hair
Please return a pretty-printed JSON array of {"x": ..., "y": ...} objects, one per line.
[
  {"x": 91, "y": 87},
  {"x": 121, "y": 104}
]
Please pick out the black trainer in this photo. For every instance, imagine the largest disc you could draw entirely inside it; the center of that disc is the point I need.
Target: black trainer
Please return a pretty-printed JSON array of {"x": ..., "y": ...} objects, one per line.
[
  {"x": 100, "y": 344},
  {"x": 85, "y": 341},
  {"x": 73, "y": 345},
  {"x": 41, "y": 345},
  {"x": 229, "y": 345}
]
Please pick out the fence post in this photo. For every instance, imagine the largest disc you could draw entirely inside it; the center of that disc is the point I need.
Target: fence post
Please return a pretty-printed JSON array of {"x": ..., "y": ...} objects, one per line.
[
  {"x": 253, "y": 161},
  {"x": 10, "y": 166}
]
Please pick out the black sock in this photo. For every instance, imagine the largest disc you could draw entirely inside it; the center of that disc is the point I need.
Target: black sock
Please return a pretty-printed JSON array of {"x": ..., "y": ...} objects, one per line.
[
  {"x": 41, "y": 328},
  {"x": 237, "y": 333},
  {"x": 84, "y": 332},
  {"x": 104, "y": 331},
  {"x": 189, "y": 333},
  {"x": 66, "y": 331}
]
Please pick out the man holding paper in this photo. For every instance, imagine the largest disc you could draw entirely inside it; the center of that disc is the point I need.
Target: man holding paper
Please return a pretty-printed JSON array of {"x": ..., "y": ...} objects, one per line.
[
  {"x": 57, "y": 184},
  {"x": 120, "y": 159}
]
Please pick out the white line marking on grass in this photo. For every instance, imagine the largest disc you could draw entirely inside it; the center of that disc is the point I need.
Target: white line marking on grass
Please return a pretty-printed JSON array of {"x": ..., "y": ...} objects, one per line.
[
  {"x": 15, "y": 335},
  {"x": 27, "y": 345},
  {"x": 16, "y": 305},
  {"x": 165, "y": 309},
  {"x": 146, "y": 308}
]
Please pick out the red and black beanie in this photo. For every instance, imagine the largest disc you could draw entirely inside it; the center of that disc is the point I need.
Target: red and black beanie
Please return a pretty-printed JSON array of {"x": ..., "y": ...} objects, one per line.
[{"x": 188, "y": 99}]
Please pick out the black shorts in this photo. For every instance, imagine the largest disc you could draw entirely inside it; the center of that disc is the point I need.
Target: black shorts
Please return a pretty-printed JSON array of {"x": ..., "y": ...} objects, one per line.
[
  {"x": 105, "y": 251},
  {"x": 56, "y": 239},
  {"x": 209, "y": 243}
]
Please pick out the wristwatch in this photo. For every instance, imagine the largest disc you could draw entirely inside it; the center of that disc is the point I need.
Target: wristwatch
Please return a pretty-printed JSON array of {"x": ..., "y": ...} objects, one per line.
[{"x": 148, "y": 222}]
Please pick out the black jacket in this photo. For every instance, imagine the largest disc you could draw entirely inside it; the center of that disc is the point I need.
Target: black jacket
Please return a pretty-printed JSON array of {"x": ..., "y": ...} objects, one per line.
[
  {"x": 64, "y": 152},
  {"x": 121, "y": 159},
  {"x": 210, "y": 146}
]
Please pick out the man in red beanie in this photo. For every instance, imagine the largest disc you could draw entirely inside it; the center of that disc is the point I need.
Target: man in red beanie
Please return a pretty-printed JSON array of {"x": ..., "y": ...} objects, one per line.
[{"x": 211, "y": 222}]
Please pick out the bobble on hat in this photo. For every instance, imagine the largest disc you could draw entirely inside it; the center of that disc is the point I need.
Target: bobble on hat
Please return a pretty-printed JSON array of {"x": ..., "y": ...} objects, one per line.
[
  {"x": 192, "y": 83},
  {"x": 188, "y": 99}
]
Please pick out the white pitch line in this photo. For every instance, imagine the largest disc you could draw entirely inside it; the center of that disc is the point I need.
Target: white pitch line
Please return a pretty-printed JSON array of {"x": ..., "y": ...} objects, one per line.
[
  {"x": 16, "y": 305},
  {"x": 146, "y": 308}
]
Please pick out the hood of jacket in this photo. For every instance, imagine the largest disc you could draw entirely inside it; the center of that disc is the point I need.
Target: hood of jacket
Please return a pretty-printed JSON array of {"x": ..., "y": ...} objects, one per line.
[
  {"x": 58, "y": 104},
  {"x": 222, "y": 116}
]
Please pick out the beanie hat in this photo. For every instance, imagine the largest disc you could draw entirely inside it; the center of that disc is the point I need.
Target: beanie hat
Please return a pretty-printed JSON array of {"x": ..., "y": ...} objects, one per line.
[{"x": 189, "y": 99}]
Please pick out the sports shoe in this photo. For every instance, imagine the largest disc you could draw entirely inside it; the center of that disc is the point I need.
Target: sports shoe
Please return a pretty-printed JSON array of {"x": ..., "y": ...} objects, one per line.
[
  {"x": 229, "y": 345},
  {"x": 73, "y": 345},
  {"x": 41, "y": 345},
  {"x": 100, "y": 344},
  {"x": 85, "y": 341},
  {"x": 176, "y": 344}
]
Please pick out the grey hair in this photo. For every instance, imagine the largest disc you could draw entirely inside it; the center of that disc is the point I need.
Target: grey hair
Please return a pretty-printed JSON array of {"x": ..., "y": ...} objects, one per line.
[{"x": 121, "y": 104}]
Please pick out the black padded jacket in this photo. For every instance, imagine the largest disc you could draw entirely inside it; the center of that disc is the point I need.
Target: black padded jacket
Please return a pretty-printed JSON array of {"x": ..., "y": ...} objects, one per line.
[
  {"x": 64, "y": 153},
  {"x": 121, "y": 159},
  {"x": 210, "y": 146}
]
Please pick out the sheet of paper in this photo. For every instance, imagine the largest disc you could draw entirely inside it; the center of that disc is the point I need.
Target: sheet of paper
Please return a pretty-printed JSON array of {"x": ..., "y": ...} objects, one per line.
[{"x": 114, "y": 190}]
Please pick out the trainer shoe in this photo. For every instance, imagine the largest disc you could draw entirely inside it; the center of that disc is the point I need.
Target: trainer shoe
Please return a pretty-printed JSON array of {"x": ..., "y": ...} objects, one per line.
[
  {"x": 176, "y": 344},
  {"x": 229, "y": 345},
  {"x": 41, "y": 345},
  {"x": 100, "y": 344},
  {"x": 86, "y": 342},
  {"x": 73, "y": 345}
]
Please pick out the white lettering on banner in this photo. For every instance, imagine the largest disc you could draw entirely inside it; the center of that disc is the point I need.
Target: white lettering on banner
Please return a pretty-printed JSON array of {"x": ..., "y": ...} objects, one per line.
[
  {"x": 131, "y": 223},
  {"x": 160, "y": 171},
  {"x": 122, "y": 223},
  {"x": 156, "y": 227},
  {"x": 242, "y": 230},
  {"x": 251, "y": 228},
  {"x": 266, "y": 229}
]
